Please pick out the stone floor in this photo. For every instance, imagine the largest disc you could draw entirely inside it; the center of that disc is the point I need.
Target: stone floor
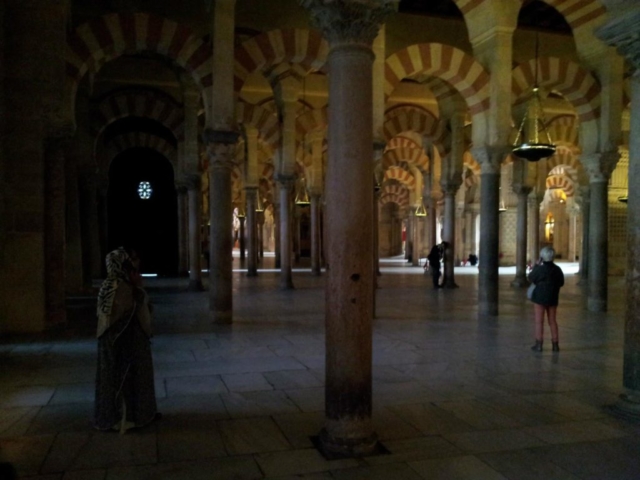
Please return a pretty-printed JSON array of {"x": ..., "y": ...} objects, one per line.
[{"x": 454, "y": 397}]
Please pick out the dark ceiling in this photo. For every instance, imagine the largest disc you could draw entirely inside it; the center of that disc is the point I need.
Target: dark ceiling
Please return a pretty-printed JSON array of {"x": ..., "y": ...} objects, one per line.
[{"x": 534, "y": 14}]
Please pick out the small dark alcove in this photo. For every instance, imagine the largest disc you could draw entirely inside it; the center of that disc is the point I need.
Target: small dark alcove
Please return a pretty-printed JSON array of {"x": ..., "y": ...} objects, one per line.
[{"x": 148, "y": 225}]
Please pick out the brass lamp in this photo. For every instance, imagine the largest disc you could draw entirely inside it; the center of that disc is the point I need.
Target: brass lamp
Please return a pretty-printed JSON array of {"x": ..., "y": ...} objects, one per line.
[
  {"x": 302, "y": 197},
  {"x": 259, "y": 204},
  {"x": 421, "y": 210}
]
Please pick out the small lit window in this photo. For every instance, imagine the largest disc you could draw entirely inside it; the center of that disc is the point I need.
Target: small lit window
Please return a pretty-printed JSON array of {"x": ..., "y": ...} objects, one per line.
[{"x": 145, "y": 190}]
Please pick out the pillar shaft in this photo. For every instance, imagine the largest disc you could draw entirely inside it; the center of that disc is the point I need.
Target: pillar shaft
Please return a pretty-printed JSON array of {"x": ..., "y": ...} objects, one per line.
[
  {"x": 73, "y": 257},
  {"x": 183, "y": 232},
  {"x": 241, "y": 238},
  {"x": 221, "y": 149},
  {"x": 521, "y": 239},
  {"x": 449, "y": 235},
  {"x": 415, "y": 256},
  {"x": 315, "y": 234},
  {"x": 54, "y": 232},
  {"x": 276, "y": 234},
  {"x": 89, "y": 230},
  {"x": 284, "y": 184},
  {"x": 598, "y": 247},
  {"x": 195, "y": 244},
  {"x": 584, "y": 255},
  {"x": 252, "y": 229}
]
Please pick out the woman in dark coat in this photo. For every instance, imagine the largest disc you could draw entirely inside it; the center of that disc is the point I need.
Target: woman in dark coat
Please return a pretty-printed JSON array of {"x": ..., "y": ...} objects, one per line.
[
  {"x": 125, "y": 393},
  {"x": 434, "y": 264},
  {"x": 547, "y": 278}
]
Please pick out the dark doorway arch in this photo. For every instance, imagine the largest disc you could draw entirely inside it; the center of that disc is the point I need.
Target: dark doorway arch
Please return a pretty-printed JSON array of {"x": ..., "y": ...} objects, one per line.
[{"x": 148, "y": 225}]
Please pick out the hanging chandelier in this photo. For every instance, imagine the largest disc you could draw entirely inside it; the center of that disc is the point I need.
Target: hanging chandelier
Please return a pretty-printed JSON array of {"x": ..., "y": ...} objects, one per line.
[
  {"x": 533, "y": 142},
  {"x": 421, "y": 210},
  {"x": 302, "y": 197},
  {"x": 623, "y": 199},
  {"x": 259, "y": 204}
]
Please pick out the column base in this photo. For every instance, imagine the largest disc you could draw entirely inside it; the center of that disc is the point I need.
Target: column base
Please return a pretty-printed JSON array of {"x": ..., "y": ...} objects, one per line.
[
  {"x": 520, "y": 282},
  {"x": 195, "y": 286},
  {"x": 317, "y": 272},
  {"x": 252, "y": 273},
  {"x": 489, "y": 310},
  {"x": 627, "y": 406},
  {"x": 450, "y": 285},
  {"x": 335, "y": 448},
  {"x": 583, "y": 282},
  {"x": 286, "y": 283},
  {"x": 596, "y": 304}
]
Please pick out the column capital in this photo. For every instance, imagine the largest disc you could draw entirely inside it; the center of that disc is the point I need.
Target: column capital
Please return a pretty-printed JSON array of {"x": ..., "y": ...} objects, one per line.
[
  {"x": 622, "y": 32},
  {"x": 450, "y": 187},
  {"x": 349, "y": 21},
  {"x": 520, "y": 189},
  {"x": 285, "y": 180},
  {"x": 600, "y": 165},
  {"x": 490, "y": 157}
]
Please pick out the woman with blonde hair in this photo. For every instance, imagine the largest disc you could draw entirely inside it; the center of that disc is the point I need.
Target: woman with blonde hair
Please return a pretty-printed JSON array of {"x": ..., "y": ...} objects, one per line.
[{"x": 547, "y": 278}]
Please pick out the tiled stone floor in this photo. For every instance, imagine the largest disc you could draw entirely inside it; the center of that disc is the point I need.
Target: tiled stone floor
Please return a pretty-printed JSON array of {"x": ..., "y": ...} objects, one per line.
[{"x": 454, "y": 397}]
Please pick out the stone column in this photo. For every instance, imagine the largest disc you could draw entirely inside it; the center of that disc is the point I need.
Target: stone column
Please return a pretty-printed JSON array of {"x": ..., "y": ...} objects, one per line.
[
  {"x": 73, "y": 257},
  {"x": 415, "y": 256},
  {"x": 91, "y": 261},
  {"x": 376, "y": 233},
  {"x": 315, "y": 234},
  {"x": 260, "y": 216},
  {"x": 285, "y": 183},
  {"x": 54, "y": 231},
  {"x": 252, "y": 227},
  {"x": 183, "y": 229},
  {"x": 350, "y": 28},
  {"x": 221, "y": 149},
  {"x": 468, "y": 233},
  {"x": 241, "y": 236},
  {"x": 521, "y": 237},
  {"x": 103, "y": 221},
  {"x": 599, "y": 166},
  {"x": 585, "y": 201},
  {"x": 621, "y": 32},
  {"x": 276, "y": 234},
  {"x": 194, "y": 193},
  {"x": 448, "y": 232},
  {"x": 490, "y": 159},
  {"x": 534, "y": 201}
]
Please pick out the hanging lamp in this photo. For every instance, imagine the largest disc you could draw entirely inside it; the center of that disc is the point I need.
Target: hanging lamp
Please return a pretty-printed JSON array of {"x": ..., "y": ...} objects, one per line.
[
  {"x": 623, "y": 199},
  {"x": 533, "y": 142},
  {"x": 501, "y": 205},
  {"x": 302, "y": 199},
  {"x": 421, "y": 210},
  {"x": 241, "y": 213},
  {"x": 259, "y": 204}
]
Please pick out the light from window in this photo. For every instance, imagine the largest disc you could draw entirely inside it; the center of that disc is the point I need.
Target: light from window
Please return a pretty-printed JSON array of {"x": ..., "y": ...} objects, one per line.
[{"x": 145, "y": 190}]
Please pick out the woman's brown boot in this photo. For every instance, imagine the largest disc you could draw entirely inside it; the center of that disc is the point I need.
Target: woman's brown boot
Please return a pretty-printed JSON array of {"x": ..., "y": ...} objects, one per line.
[
  {"x": 555, "y": 347},
  {"x": 538, "y": 346}
]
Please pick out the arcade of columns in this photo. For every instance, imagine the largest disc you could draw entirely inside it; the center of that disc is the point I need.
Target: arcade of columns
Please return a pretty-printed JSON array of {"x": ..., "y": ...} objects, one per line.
[{"x": 371, "y": 149}]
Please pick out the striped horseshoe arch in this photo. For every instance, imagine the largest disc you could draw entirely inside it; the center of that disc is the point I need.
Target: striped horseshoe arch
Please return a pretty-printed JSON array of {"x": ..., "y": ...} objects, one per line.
[
  {"x": 306, "y": 48},
  {"x": 401, "y": 175},
  {"x": 264, "y": 120},
  {"x": 311, "y": 120},
  {"x": 423, "y": 122},
  {"x": 397, "y": 194},
  {"x": 140, "y": 104},
  {"x": 578, "y": 86},
  {"x": 412, "y": 156},
  {"x": 471, "y": 163},
  {"x": 454, "y": 66},
  {"x": 564, "y": 159},
  {"x": 101, "y": 40},
  {"x": 561, "y": 182},
  {"x": 402, "y": 142},
  {"x": 577, "y": 13},
  {"x": 123, "y": 142},
  {"x": 563, "y": 129}
]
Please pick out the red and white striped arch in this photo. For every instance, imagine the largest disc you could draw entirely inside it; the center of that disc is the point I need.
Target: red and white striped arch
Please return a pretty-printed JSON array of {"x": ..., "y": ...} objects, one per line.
[
  {"x": 471, "y": 163},
  {"x": 101, "y": 40},
  {"x": 306, "y": 48},
  {"x": 265, "y": 121},
  {"x": 139, "y": 104},
  {"x": 577, "y": 85},
  {"x": 397, "y": 194},
  {"x": 402, "y": 142},
  {"x": 311, "y": 120},
  {"x": 563, "y": 129},
  {"x": 423, "y": 122},
  {"x": 564, "y": 159},
  {"x": 412, "y": 156},
  {"x": 454, "y": 66},
  {"x": 577, "y": 13},
  {"x": 126, "y": 141},
  {"x": 401, "y": 175},
  {"x": 561, "y": 182}
]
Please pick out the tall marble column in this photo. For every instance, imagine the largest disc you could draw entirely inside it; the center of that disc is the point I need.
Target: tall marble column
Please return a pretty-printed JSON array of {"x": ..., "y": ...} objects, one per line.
[
  {"x": 103, "y": 221},
  {"x": 252, "y": 227},
  {"x": 417, "y": 225},
  {"x": 585, "y": 200},
  {"x": 315, "y": 233},
  {"x": 194, "y": 193},
  {"x": 241, "y": 237},
  {"x": 54, "y": 231},
  {"x": 448, "y": 232},
  {"x": 599, "y": 166},
  {"x": 622, "y": 31},
  {"x": 73, "y": 257},
  {"x": 221, "y": 148},
  {"x": 376, "y": 233},
  {"x": 276, "y": 234},
  {"x": 350, "y": 28},
  {"x": 183, "y": 229},
  {"x": 91, "y": 260},
  {"x": 534, "y": 201},
  {"x": 284, "y": 184},
  {"x": 521, "y": 236},
  {"x": 260, "y": 221},
  {"x": 490, "y": 159}
]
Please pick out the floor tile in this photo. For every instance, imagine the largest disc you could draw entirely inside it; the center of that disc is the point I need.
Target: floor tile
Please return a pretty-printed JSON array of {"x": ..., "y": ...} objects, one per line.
[
  {"x": 493, "y": 440},
  {"x": 299, "y": 461},
  {"x": 252, "y": 435},
  {"x": 456, "y": 468}
]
